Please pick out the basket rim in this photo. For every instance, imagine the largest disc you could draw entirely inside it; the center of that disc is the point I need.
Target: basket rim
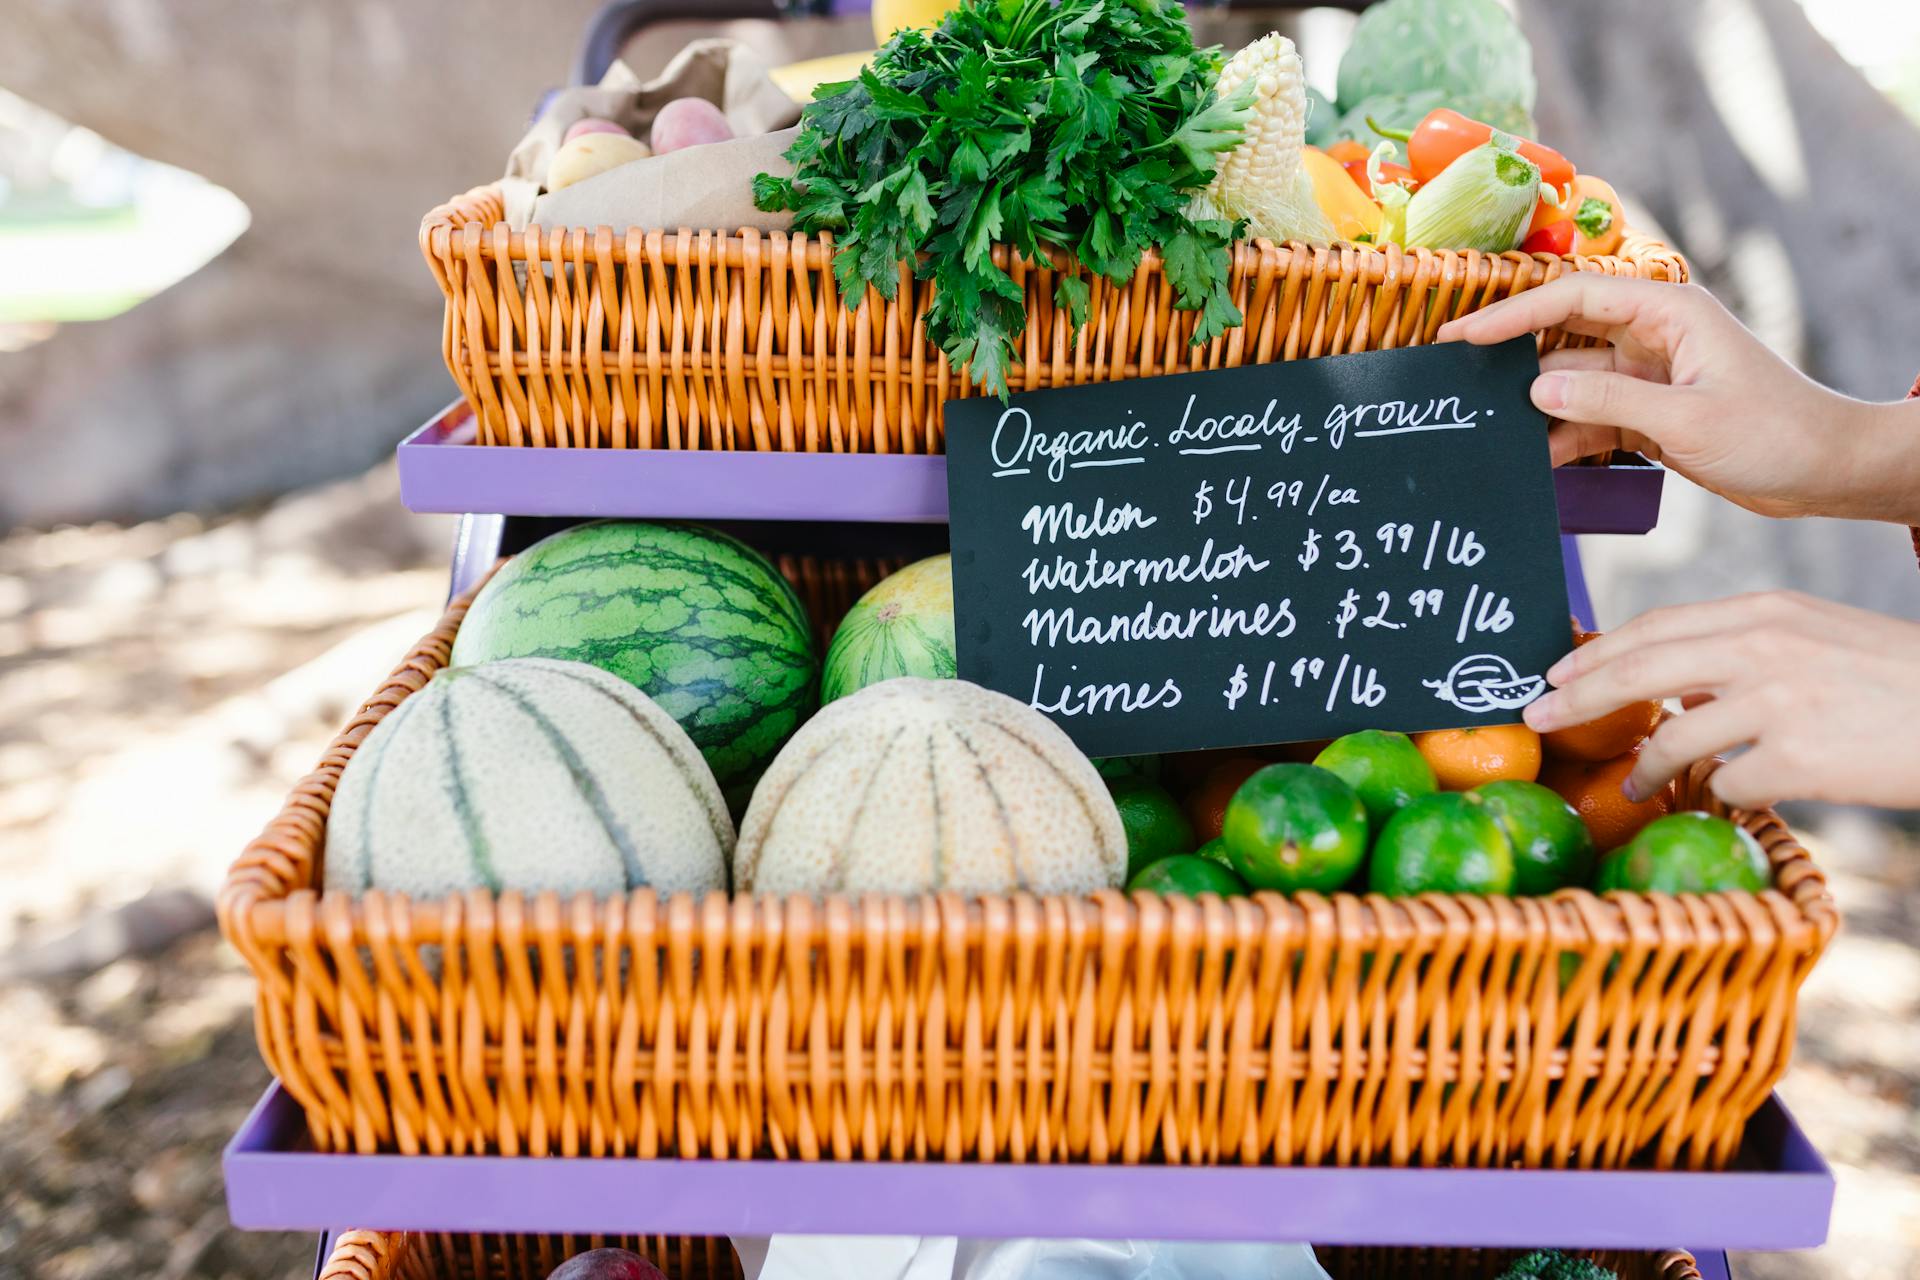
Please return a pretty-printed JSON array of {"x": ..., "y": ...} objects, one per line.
[
  {"x": 470, "y": 225},
  {"x": 271, "y": 890}
]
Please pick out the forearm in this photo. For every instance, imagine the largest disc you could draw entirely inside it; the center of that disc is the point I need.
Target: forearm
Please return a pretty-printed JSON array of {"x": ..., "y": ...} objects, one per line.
[{"x": 1878, "y": 457}]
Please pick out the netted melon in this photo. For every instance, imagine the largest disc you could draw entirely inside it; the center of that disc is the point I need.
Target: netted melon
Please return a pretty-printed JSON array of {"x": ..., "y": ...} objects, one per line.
[
  {"x": 529, "y": 774},
  {"x": 913, "y": 785}
]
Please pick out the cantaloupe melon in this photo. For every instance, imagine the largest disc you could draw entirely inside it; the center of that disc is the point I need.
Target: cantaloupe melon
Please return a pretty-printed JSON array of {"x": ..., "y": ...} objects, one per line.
[
  {"x": 530, "y": 774},
  {"x": 914, "y": 785}
]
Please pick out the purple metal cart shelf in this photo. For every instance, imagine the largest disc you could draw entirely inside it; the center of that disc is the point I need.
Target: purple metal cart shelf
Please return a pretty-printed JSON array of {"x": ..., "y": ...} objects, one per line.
[
  {"x": 1782, "y": 1200},
  {"x": 442, "y": 470}
]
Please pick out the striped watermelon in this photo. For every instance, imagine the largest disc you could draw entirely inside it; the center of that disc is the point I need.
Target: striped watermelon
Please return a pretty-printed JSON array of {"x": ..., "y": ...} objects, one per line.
[
  {"x": 700, "y": 622},
  {"x": 903, "y": 627},
  {"x": 527, "y": 774}
]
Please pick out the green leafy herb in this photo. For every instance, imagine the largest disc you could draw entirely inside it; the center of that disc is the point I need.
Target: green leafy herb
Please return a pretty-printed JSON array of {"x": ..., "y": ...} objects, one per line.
[
  {"x": 1076, "y": 124},
  {"x": 1551, "y": 1264}
]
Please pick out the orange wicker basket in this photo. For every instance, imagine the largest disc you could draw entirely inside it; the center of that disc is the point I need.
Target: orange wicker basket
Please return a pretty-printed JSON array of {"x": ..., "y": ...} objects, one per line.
[
  {"x": 381, "y": 1255},
  {"x": 1290, "y": 1030},
  {"x": 710, "y": 340}
]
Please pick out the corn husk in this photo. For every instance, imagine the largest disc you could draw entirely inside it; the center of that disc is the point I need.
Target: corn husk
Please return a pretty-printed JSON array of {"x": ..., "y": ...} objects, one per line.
[{"x": 1483, "y": 200}]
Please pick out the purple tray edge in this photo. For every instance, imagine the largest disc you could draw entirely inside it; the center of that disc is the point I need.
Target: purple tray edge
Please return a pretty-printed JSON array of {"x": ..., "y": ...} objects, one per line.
[
  {"x": 442, "y": 471},
  {"x": 271, "y": 1185}
]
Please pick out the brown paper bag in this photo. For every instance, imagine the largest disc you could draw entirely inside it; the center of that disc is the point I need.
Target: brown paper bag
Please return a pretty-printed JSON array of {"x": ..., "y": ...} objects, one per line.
[{"x": 698, "y": 187}]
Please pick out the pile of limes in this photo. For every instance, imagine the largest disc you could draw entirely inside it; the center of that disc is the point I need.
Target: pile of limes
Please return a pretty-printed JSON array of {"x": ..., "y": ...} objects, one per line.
[{"x": 1370, "y": 814}]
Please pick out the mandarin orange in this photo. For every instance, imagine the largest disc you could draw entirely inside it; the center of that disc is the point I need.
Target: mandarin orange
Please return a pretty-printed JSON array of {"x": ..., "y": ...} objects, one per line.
[
  {"x": 1207, "y": 803},
  {"x": 1613, "y": 734},
  {"x": 1593, "y": 789},
  {"x": 1465, "y": 758}
]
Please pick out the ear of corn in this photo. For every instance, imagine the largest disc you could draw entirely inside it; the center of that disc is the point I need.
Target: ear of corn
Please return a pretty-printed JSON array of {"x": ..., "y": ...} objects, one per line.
[{"x": 1262, "y": 179}]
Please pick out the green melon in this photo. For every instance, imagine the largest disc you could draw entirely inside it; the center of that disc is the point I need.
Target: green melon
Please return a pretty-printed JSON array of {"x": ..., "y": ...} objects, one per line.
[
  {"x": 903, "y": 627},
  {"x": 699, "y": 622},
  {"x": 527, "y": 774}
]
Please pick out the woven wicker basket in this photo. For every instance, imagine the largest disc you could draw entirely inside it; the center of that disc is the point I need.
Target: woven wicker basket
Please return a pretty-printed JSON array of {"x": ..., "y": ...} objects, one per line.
[
  {"x": 410, "y": 1255},
  {"x": 1305, "y": 1030},
  {"x": 381, "y": 1255},
  {"x": 709, "y": 340}
]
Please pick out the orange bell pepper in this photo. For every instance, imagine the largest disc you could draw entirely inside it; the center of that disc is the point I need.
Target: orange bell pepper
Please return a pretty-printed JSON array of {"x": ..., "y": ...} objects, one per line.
[
  {"x": 1597, "y": 216},
  {"x": 1445, "y": 135},
  {"x": 1398, "y": 174}
]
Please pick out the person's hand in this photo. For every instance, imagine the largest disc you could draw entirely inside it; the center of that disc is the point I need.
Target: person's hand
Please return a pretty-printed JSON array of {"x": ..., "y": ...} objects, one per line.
[
  {"x": 1825, "y": 697},
  {"x": 1681, "y": 381}
]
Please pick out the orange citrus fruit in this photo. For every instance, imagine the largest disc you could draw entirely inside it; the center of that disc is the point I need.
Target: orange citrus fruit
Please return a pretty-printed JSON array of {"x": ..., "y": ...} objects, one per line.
[
  {"x": 1614, "y": 734},
  {"x": 1182, "y": 771},
  {"x": 1611, "y": 735},
  {"x": 1465, "y": 758},
  {"x": 1593, "y": 789},
  {"x": 1207, "y": 803}
]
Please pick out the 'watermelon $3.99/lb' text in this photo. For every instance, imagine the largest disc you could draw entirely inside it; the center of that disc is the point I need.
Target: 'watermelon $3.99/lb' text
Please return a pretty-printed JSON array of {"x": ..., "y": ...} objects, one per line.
[{"x": 699, "y": 622}]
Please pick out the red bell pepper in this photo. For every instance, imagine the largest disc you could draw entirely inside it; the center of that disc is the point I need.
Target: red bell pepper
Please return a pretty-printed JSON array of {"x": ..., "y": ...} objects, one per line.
[{"x": 1555, "y": 238}]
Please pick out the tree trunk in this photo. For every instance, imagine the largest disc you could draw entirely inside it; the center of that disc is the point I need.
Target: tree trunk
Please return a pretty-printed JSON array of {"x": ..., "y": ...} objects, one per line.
[{"x": 309, "y": 347}]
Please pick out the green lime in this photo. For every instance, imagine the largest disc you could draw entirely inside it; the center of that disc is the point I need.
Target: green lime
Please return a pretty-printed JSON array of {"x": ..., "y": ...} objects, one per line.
[
  {"x": 1385, "y": 770},
  {"x": 1156, "y": 826},
  {"x": 1687, "y": 853},
  {"x": 1552, "y": 848},
  {"x": 1147, "y": 767},
  {"x": 1294, "y": 826},
  {"x": 1215, "y": 850},
  {"x": 1185, "y": 873},
  {"x": 1444, "y": 843}
]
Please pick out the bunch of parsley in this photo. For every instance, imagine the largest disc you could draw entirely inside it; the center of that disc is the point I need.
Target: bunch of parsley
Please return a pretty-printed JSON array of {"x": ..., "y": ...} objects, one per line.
[{"x": 1081, "y": 124}]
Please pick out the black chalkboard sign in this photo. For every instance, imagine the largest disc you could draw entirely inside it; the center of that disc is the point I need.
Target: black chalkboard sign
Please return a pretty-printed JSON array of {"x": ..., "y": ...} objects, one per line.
[{"x": 1273, "y": 553}]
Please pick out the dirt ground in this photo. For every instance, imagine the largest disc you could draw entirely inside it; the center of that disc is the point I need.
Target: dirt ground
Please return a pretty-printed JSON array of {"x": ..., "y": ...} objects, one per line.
[{"x": 160, "y": 688}]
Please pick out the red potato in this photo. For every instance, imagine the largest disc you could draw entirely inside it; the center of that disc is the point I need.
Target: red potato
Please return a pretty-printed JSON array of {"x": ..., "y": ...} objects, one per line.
[
  {"x": 606, "y": 1264},
  {"x": 592, "y": 124},
  {"x": 688, "y": 122}
]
